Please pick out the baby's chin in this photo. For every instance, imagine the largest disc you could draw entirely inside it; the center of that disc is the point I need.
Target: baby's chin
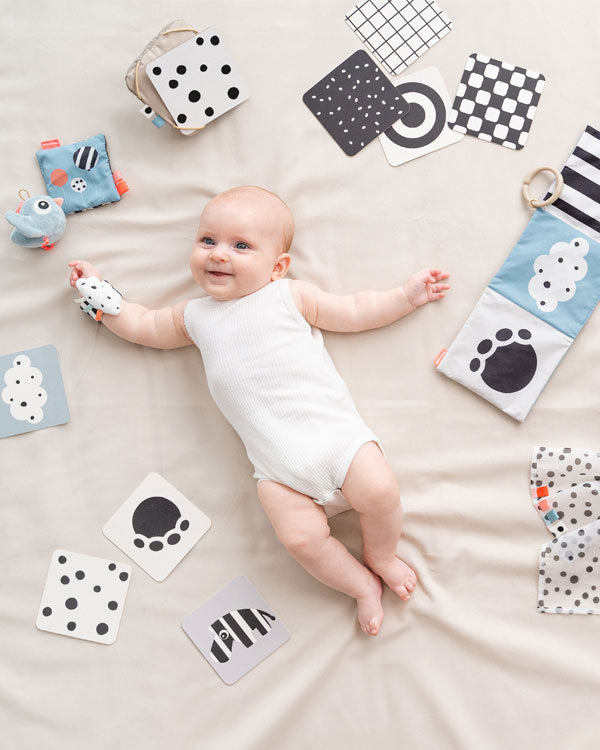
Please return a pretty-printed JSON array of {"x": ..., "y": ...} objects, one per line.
[{"x": 230, "y": 289}]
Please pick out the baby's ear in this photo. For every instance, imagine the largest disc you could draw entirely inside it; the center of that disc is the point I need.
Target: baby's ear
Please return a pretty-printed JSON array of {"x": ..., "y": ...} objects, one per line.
[{"x": 281, "y": 266}]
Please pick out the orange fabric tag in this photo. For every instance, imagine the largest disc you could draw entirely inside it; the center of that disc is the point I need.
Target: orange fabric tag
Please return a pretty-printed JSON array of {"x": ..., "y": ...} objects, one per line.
[
  {"x": 50, "y": 144},
  {"x": 440, "y": 357}
]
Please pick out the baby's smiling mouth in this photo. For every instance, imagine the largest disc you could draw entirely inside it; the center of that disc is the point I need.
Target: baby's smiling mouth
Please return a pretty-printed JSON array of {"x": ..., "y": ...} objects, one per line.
[{"x": 219, "y": 273}]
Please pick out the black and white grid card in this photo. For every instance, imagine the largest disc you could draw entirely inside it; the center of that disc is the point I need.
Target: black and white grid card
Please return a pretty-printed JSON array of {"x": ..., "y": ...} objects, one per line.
[
  {"x": 198, "y": 81},
  {"x": 496, "y": 101},
  {"x": 398, "y": 31},
  {"x": 355, "y": 102},
  {"x": 156, "y": 526},
  {"x": 84, "y": 596}
]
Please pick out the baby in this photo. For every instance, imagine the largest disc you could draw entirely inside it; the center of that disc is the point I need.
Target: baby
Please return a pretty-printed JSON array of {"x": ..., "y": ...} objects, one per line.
[{"x": 271, "y": 376}]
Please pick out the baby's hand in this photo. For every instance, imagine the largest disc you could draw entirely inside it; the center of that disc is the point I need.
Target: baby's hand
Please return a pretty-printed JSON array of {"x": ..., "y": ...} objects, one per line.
[
  {"x": 82, "y": 269},
  {"x": 422, "y": 287}
]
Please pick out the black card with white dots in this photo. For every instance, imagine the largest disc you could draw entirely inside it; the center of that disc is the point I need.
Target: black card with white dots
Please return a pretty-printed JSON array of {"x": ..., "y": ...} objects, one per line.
[
  {"x": 496, "y": 101},
  {"x": 198, "y": 81},
  {"x": 355, "y": 102}
]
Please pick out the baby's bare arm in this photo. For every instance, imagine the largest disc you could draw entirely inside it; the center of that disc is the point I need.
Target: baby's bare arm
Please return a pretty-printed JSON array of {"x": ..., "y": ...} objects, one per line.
[
  {"x": 161, "y": 329},
  {"x": 366, "y": 310}
]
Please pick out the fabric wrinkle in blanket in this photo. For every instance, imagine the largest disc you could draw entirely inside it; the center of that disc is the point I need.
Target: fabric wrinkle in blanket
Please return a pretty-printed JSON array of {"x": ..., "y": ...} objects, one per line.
[{"x": 541, "y": 297}]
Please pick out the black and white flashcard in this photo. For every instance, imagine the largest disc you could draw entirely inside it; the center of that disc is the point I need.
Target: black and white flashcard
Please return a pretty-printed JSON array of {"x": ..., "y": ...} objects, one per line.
[
  {"x": 84, "y": 596},
  {"x": 424, "y": 128},
  {"x": 398, "y": 32},
  {"x": 505, "y": 354},
  {"x": 198, "y": 80},
  {"x": 496, "y": 101},
  {"x": 156, "y": 526},
  {"x": 355, "y": 102},
  {"x": 33, "y": 396},
  {"x": 235, "y": 630}
]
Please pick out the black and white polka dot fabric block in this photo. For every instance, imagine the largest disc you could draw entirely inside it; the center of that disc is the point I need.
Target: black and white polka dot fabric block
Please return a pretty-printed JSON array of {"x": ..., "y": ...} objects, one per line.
[
  {"x": 198, "y": 81},
  {"x": 355, "y": 102},
  {"x": 496, "y": 101}
]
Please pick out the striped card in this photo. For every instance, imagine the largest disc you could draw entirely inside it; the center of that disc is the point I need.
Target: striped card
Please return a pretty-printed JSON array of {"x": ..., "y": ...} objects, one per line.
[{"x": 579, "y": 202}]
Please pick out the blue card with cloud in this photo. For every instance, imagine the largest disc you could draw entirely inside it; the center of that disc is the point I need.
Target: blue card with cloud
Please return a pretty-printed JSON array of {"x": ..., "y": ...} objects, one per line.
[
  {"x": 553, "y": 272},
  {"x": 33, "y": 394}
]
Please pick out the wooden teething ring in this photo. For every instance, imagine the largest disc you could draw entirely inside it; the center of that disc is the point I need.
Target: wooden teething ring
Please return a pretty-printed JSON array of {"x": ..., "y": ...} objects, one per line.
[{"x": 557, "y": 189}]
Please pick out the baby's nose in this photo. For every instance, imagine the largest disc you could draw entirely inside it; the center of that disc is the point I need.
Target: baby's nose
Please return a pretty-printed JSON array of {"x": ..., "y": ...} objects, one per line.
[{"x": 219, "y": 253}]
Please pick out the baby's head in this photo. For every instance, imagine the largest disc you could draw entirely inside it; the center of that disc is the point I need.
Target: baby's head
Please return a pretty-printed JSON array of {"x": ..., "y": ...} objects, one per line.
[{"x": 242, "y": 242}]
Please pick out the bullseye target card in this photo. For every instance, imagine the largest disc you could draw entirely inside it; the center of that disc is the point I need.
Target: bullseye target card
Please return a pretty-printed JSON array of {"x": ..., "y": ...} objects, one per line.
[
  {"x": 424, "y": 129},
  {"x": 156, "y": 526},
  {"x": 198, "y": 80}
]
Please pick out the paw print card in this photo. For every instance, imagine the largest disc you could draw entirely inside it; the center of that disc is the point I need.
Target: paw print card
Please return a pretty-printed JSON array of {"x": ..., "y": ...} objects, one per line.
[
  {"x": 198, "y": 80},
  {"x": 505, "y": 354},
  {"x": 156, "y": 526},
  {"x": 235, "y": 630},
  {"x": 33, "y": 394}
]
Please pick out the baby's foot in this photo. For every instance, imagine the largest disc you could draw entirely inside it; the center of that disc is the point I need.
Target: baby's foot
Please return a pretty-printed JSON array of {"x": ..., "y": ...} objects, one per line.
[
  {"x": 370, "y": 611},
  {"x": 401, "y": 578}
]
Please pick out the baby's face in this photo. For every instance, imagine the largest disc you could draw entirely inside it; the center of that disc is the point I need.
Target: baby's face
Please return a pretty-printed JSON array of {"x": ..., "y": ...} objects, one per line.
[{"x": 239, "y": 246}]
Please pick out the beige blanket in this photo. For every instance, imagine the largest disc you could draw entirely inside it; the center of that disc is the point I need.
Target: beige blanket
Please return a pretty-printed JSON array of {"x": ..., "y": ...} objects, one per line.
[{"x": 467, "y": 664}]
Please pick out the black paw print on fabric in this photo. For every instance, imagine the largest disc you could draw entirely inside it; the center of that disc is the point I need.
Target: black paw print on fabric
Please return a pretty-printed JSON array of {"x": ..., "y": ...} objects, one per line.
[{"x": 506, "y": 365}]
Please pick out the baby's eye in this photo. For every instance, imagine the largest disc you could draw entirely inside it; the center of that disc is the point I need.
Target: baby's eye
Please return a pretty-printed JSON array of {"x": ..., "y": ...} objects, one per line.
[
  {"x": 208, "y": 241},
  {"x": 241, "y": 246}
]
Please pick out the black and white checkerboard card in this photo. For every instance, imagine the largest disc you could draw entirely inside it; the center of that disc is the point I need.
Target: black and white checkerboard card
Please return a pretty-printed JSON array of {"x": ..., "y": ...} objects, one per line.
[
  {"x": 398, "y": 31},
  {"x": 496, "y": 101},
  {"x": 355, "y": 102}
]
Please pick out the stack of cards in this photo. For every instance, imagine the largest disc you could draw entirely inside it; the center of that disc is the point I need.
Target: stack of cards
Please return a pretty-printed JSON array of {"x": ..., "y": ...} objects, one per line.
[{"x": 355, "y": 102}]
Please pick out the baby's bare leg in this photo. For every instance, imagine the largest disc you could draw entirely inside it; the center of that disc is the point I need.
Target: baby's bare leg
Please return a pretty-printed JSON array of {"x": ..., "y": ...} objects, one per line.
[
  {"x": 371, "y": 488},
  {"x": 301, "y": 526}
]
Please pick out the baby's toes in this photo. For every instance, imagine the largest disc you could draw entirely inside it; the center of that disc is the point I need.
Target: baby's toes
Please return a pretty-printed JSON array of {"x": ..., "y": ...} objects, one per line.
[{"x": 401, "y": 591}]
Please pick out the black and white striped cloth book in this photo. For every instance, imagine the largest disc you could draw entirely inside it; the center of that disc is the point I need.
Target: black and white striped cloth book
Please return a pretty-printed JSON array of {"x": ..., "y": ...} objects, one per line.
[{"x": 579, "y": 201}]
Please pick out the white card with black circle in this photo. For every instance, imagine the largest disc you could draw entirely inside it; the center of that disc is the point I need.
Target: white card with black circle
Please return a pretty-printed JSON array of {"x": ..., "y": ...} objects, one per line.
[
  {"x": 156, "y": 526},
  {"x": 198, "y": 81},
  {"x": 424, "y": 128},
  {"x": 83, "y": 596},
  {"x": 235, "y": 629}
]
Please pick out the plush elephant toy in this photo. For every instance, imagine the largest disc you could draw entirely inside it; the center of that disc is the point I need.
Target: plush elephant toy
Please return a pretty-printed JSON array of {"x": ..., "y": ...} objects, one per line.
[{"x": 38, "y": 222}]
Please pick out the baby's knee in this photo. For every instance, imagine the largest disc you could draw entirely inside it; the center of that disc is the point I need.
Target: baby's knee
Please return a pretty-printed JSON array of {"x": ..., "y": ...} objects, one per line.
[
  {"x": 382, "y": 497},
  {"x": 304, "y": 542}
]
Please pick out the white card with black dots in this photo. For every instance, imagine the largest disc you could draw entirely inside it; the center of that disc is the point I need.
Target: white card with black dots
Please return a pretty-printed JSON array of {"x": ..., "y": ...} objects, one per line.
[
  {"x": 83, "y": 597},
  {"x": 156, "y": 526},
  {"x": 496, "y": 101},
  {"x": 198, "y": 81}
]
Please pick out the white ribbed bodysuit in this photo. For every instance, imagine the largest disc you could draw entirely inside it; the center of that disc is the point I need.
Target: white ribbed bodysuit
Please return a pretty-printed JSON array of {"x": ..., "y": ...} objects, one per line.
[{"x": 271, "y": 376}]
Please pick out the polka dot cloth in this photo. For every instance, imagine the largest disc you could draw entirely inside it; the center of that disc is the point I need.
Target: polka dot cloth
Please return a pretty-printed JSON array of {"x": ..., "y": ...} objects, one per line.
[
  {"x": 496, "y": 101},
  {"x": 569, "y": 573},
  {"x": 569, "y": 570}
]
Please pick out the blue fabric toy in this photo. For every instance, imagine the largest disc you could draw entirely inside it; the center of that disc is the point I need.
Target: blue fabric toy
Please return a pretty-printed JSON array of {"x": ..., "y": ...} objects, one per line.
[
  {"x": 80, "y": 174},
  {"x": 38, "y": 222}
]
